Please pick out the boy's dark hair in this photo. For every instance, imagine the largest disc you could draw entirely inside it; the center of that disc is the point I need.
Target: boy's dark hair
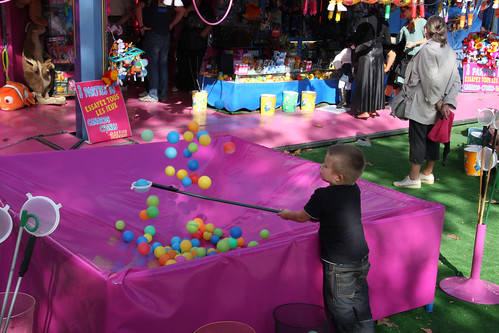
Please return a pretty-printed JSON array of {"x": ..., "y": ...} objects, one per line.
[{"x": 348, "y": 160}]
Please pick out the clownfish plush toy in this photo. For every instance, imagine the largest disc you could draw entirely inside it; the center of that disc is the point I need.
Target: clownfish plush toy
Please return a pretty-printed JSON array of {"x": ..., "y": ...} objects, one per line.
[{"x": 14, "y": 96}]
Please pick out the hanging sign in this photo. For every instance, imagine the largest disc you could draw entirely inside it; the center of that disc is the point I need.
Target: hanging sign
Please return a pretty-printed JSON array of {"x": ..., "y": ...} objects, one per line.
[
  {"x": 480, "y": 78},
  {"x": 103, "y": 110}
]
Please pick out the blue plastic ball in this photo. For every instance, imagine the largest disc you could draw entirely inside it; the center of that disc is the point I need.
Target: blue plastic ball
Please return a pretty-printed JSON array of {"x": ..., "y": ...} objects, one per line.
[
  {"x": 128, "y": 236},
  {"x": 141, "y": 182},
  {"x": 187, "y": 153},
  {"x": 186, "y": 181},
  {"x": 195, "y": 242},
  {"x": 236, "y": 232},
  {"x": 173, "y": 137},
  {"x": 171, "y": 152},
  {"x": 176, "y": 246},
  {"x": 141, "y": 239},
  {"x": 219, "y": 104},
  {"x": 193, "y": 165},
  {"x": 214, "y": 239},
  {"x": 175, "y": 239},
  {"x": 201, "y": 133},
  {"x": 155, "y": 245}
]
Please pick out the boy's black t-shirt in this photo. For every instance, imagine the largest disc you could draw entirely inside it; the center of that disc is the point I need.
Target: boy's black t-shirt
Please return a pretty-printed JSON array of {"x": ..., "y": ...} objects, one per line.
[
  {"x": 339, "y": 213},
  {"x": 156, "y": 16}
]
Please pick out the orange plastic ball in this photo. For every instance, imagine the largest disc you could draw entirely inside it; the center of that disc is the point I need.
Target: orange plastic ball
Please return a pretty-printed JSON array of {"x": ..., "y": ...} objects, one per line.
[
  {"x": 229, "y": 147},
  {"x": 240, "y": 242},
  {"x": 193, "y": 126},
  {"x": 143, "y": 215},
  {"x": 163, "y": 259}
]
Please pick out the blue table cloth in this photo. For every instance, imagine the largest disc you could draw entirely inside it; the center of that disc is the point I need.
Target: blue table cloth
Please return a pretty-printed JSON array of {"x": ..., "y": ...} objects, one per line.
[{"x": 239, "y": 96}]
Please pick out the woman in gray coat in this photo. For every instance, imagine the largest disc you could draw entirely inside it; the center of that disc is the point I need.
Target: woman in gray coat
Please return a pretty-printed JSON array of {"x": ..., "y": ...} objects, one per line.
[{"x": 431, "y": 86}]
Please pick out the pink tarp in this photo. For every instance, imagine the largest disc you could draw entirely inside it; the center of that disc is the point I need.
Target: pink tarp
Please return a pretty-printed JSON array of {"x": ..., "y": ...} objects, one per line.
[{"x": 85, "y": 278}]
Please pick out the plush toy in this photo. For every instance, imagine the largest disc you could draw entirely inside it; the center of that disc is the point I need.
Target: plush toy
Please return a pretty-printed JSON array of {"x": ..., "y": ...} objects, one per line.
[
  {"x": 253, "y": 12},
  {"x": 38, "y": 69},
  {"x": 35, "y": 10},
  {"x": 14, "y": 96}
]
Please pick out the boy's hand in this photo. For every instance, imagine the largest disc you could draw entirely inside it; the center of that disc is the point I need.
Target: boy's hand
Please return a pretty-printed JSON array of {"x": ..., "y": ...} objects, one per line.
[{"x": 285, "y": 214}]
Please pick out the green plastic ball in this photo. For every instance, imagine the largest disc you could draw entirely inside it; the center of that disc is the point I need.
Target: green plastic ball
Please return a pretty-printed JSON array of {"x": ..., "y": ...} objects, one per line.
[
  {"x": 233, "y": 243},
  {"x": 152, "y": 212},
  {"x": 218, "y": 232},
  {"x": 253, "y": 243},
  {"x": 192, "y": 227},
  {"x": 120, "y": 225},
  {"x": 150, "y": 230},
  {"x": 193, "y": 147},
  {"x": 264, "y": 234},
  {"x": 152, "y": 200},
  {"x": 201, "y": 252},
  {"x": 147, "y": 135},
  {"x": 223, "y": 245}
]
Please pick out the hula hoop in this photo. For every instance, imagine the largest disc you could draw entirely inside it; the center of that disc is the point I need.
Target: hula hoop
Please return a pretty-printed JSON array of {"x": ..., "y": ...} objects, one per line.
[{"x": 212, "y": 23}]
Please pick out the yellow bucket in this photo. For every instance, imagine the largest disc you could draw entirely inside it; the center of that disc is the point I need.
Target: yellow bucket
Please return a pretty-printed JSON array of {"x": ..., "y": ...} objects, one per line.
[
  {"x": 308, "y": 101},
  {"x": 471, "y": 166},
  {"x": 267, "y": 104},
  {"x": 200, "y": 100}
]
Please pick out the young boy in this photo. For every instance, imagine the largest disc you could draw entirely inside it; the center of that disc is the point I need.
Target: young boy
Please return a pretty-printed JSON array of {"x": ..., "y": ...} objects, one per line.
[{"x": 344, "y": 250}]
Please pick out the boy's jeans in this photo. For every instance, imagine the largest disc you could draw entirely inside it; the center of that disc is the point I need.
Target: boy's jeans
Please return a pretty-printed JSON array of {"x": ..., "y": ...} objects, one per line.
[{"x": 346, "y": 296}]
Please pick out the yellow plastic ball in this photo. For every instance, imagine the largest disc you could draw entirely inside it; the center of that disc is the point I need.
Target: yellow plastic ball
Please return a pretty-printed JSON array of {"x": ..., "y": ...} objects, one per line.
[
  {"x": 149, "y": 237},
  {"x": 204, "y": 182},
  {"x": 207, "y": 235},
  {"x": 159, "y": 251},
  {"x": 188, "y": 255},
  {"x": 193, "y": 126},
  {"x": 185, "y": 245},
  {"x": 210, "y": 227},
  {"x": 188, "y": 136},
  {"x": 169, "y": 170},
  {"x": 182, "y": 173},
  {"x": 170, "y": 262},
  {"x": 204, "y": 140}
]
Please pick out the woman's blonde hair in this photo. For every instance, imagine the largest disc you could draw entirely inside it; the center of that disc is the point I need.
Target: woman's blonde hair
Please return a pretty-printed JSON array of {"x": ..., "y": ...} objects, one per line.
[{"x": 437, "y": 29}]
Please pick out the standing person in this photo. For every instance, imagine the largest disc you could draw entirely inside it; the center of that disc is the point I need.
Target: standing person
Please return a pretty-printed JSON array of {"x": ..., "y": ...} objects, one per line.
[
  {"x": 431, "y": 87},
  {"x": 120, "y": 13},
  {"x": 414, "y": 35},
  {"x": 344, "y": 250},
  {"x": 343, "y": 61},
  {"x": 155, "y": 23},
  {"x": 371, "y": 36},
  {"x": 192, "y": 45}
]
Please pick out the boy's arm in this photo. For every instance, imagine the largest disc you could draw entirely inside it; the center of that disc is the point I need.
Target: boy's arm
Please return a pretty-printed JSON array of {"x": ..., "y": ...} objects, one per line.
[{"x": 300, "y": 216}]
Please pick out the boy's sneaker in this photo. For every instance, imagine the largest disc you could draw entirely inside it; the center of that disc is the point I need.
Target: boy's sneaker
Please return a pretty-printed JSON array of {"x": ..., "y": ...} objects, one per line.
[
  {"x": 143, "y": 94},
  {"x": 408, "y": 183},
  {"x": 148, "y": 99},
  {"x": 427, "y": 179},
  {"x": 174, "y": 89}
]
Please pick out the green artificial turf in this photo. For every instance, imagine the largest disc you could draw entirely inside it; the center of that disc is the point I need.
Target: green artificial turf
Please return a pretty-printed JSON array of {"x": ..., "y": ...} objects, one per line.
[{"x": 387, "y": 161}]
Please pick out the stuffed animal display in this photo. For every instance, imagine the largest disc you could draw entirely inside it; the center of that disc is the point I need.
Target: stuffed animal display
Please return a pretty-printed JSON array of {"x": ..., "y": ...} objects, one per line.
[
  {"x": 38, "y": 68},
  {"x": 14, "y": 96},
  {"x": 126, "y": 60},
  {"x": 35, "y": 10}
]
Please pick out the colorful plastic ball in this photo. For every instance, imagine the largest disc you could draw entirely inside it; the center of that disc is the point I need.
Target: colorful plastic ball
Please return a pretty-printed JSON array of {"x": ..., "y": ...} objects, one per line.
[
  {"x": 169, "y": 170},
  {"x": 159, "y": 251},
  {"x": 240, "y": 242},
  {"x": 143, "y": 215},
  {"x": 195, "y": 242},
  {"x": 252, "y": 243},
  {"x": 141, "y": 182},
  {"x": 194, "y": 178},
  {"x": 197, "y": 235},
  {"x": 193, "y": 126},
  {"x": 152, "y": 200},
  {"x": 155, "y": 245},
  {"x": 218, "y": 232},
  {"x": 148, "y": 237},
  {"x": 147, "y": 135},
  {"x": 175, "y": 239},
  {"x": 173, "y": 137},
  {"x": 232, "y": 242},
  {"x": 171, "y": 262},
  {"x": 180, "y": 258},
  {"x": 181, "y": 174},
  {"x": 186, "y": 181},
  {"x": 188, "y": 255},
  {"x": 211, "y": 253},
  {"x": 176, "y": 246},
  {"x": 141, "y": 239},
  {"x": 193, "y": 147},
  {"x": 236, "y": 232},
  {"x": 201, "y": 252},
  {"x": 264, "y": 234},
  {"x": 214, "y": 239},
  {"x": 163, "y": 259},
  {"x": 185, "y": 245},
  {"x": 210, "y": 227},
  {"x": 211, "y": 250},
  {"x": 219, "y": 104},
  {"x": 152, "y": 212},
  {"x": 188, "y": 136},
  {"x": 143, "y": 248},
  {"x": 119, "y": 225},
  {"x": 201, "y": 133},
  {"x": 187, "y": 154},
  {"x": 193, "y": 165},
  {"x": 151, "y": 230},
  {"x": 191, "y": 227},
  {"x": 128, "y": 236},
  {"x": 204, "y": 182},
  {"x": 171, "y": 152},
  {"x": 223, "y": 245},
  {"x": 207, "y": 235},
  {"x": 229, "y": 147},
  {"x": 204, "y": 140}
]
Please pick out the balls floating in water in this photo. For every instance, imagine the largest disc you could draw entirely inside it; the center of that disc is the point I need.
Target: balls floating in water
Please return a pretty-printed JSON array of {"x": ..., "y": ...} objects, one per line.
[
  {"x": 173, "y": 137},
  {"x": 181, "y": 174},
  {"x": 223, "y": 245},
  {"x": 219, "y": 104},
  {"x": 214, "y": 239},
  {"x": 169, "y": 170},
  {"x": 159, "y": 251},
  {"x": 193, "y": 165},
  {"x": 204, "y": 182},
  {"x": 143, "y": 215},
  {"x": 232, "y": 242},
  {"x": 147, "y": 135},
  {"x": 264, "y": 234},
  {"x": 201, "y": 252},
  {"x": 188, "y": 136},
  {"x": 141, "y": 182},
  {"x": 218, "y": 232},
  {"x": 186, "y": 181},
  {"x": 185, "y": 245},
  {"x": 143, "y": 248},
  {"x": 252, "y": 243},
  {"x": 187, "y": 153},
  {"x": 119, "y": 225},
  {"x": 151, "y": 230},
  {"x": 171, "y": 152},
  {"x": 229, "y": 147},
  {"x": 152, "y": 212},
  {"x": 128, "y": 236},
  {"x": 210, "y": 227},
  {"x": 204, "y": 140},
  {"x": 193, "y": 126},
  {"x": 193, "y": 147},
  {"x": 152, "y": 200},
  {"x": 236, "y": 232},
  {"x": 194, "y": 178},
  {"x": 202, "y": 133},
  {"x": 192, "y": 227}
]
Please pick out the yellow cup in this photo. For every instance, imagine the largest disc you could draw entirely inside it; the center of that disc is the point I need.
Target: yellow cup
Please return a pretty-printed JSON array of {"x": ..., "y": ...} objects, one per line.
[
  {"x": 200, "y": 100},
  {"x": 267, "y": 104},
  {"x": 471, "y": 166},
  {"x": 308, "y": 101}
]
